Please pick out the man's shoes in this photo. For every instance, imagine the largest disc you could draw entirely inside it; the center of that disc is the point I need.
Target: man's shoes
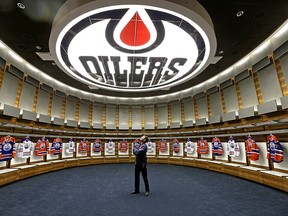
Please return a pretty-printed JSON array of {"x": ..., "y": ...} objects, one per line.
[
  {"x": 147, "y": 193},
  {"x": 134, "y": 192}
]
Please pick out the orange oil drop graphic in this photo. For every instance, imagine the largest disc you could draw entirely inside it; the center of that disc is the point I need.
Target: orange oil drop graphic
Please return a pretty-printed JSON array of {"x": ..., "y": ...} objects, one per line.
[{"x": 135, "y": 33}]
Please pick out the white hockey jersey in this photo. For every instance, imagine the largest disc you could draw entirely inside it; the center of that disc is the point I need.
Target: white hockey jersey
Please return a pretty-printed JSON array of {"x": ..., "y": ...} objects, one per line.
[
  {"x": 150, "y": 147},
  {"x": 25, "y": 148},
  {"x": 70, "y": 147},
  {"x": 233, "y": 147},
  {"x": 189, "y": 147},
  {"x": 110, "y": 147}
]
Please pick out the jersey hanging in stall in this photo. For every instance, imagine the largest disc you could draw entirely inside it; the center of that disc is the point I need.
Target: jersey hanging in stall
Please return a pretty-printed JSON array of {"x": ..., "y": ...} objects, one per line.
[
  {"x": 97, "y": 146},
  {"x": 189, "y": 147},
  {"x": 274, "y": 149},
  {"x": 7, "y": 148},
  {"x": 233, "y": 147},
  {"x": 83, "y": 146},
  {"x": 202, "y": 146},
  {"x": 150, "y": 147},
  {"x": 110, "y": 148},
  {"x": 56, "y": 147},
  {"x": 123, "y": 146},
  {"x": 42, "y": 147},
  {"x": 70, "y": 146},
  {"x": 163, "y": 146},
  {"x": 25, "y": 148},
  {"x": 217, "y": 148},
  {"x": 252, "y": 150},
  {"x": 176, "y": 146}
]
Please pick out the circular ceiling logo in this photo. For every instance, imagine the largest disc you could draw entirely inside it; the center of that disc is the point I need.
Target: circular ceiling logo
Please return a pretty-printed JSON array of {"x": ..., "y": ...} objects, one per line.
[{"x": 132, "y": 48}]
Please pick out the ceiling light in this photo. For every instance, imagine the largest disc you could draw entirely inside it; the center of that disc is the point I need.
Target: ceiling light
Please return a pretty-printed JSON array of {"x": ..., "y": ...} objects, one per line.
[
  {"x": 15, "y": 56},
  {"x": 38, "y": 47},
  {"x": 221, "y": 52},
  {"x": 2, "y": 45},
  {"x": 242, "y": 61},
  {"x": 240, "y": 13},
  {"x": 46, "y": 77},
  {"x": 115, "y": 51},
  {"x": 283, "y": 30},
  {"x": 227, "y": 71},
  {"x": 261, "y": 47},
  {"x": 21, "y": 5}
]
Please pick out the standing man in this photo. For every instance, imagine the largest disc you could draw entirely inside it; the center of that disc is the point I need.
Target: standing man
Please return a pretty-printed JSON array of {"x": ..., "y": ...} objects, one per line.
[{"x": 140, "y": 150}]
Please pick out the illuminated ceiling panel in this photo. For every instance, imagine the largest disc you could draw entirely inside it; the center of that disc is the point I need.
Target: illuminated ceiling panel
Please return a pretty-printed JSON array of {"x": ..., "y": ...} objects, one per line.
[{"x": 133, "y": 48}]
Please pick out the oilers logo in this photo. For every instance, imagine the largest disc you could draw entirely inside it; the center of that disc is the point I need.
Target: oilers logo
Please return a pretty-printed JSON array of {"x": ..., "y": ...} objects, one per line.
[
  {"x": 216, "y": 144},
  {"x": 7, "y": 147},
  {"x": 131, "y": 48},
  {"x": 272, "y": 146},
  {"x": 26, "y": 145}
]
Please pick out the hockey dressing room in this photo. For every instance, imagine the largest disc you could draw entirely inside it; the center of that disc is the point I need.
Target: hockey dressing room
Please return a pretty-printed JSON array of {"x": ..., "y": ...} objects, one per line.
[{"x": 134, "y": 107}]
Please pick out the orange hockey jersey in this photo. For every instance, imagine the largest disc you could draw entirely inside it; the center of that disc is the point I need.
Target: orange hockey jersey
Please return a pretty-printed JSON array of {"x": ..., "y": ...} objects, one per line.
[
  {"x": 162, "y": 146},
  {"x": 83, "y": 146},
  {"x": 202, "y": 146},
  {"x": 123, "y": 146},
  {"x": 252, "y": 150},
  {"x": 42, "y": 147}
]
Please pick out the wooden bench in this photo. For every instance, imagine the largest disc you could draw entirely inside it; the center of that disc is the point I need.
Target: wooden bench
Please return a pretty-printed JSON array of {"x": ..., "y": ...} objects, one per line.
[{"x": 274, "y": 179}]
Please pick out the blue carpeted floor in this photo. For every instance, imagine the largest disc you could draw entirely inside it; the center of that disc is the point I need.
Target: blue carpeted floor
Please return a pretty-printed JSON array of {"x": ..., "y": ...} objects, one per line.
[{"x": 105, "y": 190}]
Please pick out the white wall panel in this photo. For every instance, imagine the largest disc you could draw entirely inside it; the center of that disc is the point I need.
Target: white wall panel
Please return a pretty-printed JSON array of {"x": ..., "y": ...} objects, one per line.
[
  {"x": 248, "y": 92},
  {"x": 269, "y": 84},
  {"x": 43, "y": 102},
  {"x": 202, "y": 107},
  {"x": 215, "y": 102},
  {"x": 136, "y": 117},
  {"x": 110, "y": 114},
  {"x": 9, "y": 89},
  {"x": 123, "y": 117},
  {"x": 84, "y": 112},
  {"x": 97, "y": 113},
  {"x": 230, "y": 98},
  {"x": 149, "y": 115},
  {"x": 27, "y": 96},
  {"x": 162, "y": 113},
  {"x": 57, "y": 106},
  {"x": 189, "y": 110},
  {"x": 70, "y": 110},
  {"x": 176, "y": 112}
]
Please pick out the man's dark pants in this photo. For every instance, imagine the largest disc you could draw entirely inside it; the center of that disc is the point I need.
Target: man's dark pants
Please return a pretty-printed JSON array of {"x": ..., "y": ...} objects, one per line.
[{"x": 141, "y": 169}]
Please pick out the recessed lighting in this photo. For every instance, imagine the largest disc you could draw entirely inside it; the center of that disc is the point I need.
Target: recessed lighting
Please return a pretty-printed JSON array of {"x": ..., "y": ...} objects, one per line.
[
  {"x": 240, "y": 13},
  {"x": 38, "y": 47},
  {"x": 221, "y": 52},
  {"x": 53, "y": 63},
  {"x": 21, "y": 5}
]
